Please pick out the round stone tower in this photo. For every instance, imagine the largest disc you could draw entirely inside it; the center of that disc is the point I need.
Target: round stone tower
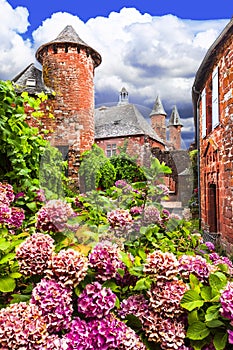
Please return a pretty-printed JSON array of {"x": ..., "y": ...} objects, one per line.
[{"x": 68, "y": 68}]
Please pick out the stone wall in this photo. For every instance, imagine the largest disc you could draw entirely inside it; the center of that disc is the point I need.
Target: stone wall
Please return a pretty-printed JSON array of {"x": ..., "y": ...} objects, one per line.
[{"x": 216, "y": 154}]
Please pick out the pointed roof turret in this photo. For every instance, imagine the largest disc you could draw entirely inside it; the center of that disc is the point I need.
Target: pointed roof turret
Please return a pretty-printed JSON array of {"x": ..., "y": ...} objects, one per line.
[
  {"x": 123, "y": 96},
  {"x": 158, "y": 108},
  {"x": 69, "y": 36},
  {"x": 175, "y": 118}
]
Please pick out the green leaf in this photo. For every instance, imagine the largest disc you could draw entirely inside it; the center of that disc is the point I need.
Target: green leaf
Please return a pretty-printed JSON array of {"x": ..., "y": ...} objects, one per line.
[
  {"x": 194, "y": 283},
  {"x": 133, "y": 322},
  {"x": 215, "y": 324},
  {"x": 193, "y": 316},
  {"x": 7, "y": 284},
  {"x": 191, "y": 300},
  {"x": 197, "y": 331},
  {"x": 143, "y": 283},
  {"x": 217, "y": 282},
  {"x": 17, "y": 298},
  {"x": 15, "y": 275},
  {"x": 220, "y": 340},
  {"x": 206, "y": 293},
  {"x": 7, "y": 257},
  {"x": 212, "y": 313},
  {"x": 4, "y": 245}
]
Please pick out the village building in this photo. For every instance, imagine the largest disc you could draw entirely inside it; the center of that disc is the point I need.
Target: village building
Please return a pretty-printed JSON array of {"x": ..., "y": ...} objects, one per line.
[
  {"x": 67, "y": 77},
  {"x": 213, "y": 116}
]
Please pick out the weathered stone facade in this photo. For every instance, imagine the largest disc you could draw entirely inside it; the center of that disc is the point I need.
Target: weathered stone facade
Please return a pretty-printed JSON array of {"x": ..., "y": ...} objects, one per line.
[{"x": 213, "y": 106}]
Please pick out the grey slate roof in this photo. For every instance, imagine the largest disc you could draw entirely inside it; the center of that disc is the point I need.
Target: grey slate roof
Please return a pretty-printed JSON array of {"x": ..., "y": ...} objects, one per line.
[
  {"x": 158, "y": 108},
  {"x": 175, "y": 118},
  {"x": 69, "y": 36},
  {"x": 122, "y": 120},
  {"x": 31, "y": 72}
]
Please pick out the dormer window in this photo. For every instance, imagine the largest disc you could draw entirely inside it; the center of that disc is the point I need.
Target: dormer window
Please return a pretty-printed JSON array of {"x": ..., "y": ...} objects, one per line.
[{"x": 31, "y": 82}]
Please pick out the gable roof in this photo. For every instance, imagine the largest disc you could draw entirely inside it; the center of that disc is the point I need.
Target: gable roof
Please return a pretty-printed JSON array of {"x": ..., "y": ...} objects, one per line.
[
  {"x": 69, "y": 36},
  {"x": 122, "y": 120},
  {"x": 31, "y": 73}
]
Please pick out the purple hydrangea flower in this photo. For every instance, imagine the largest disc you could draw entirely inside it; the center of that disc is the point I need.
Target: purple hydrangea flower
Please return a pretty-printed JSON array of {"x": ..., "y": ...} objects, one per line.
[
  {"x": 136, "y": 305},
  {"x": 210, "y": 246},
  {"x": 96, "y": 301},
  {"x": 78, "y": 336},
  {"x": 16, "y": 218},
  {"x": 226, "y": 300},
  {"x": 197, "y": 265},
  {"x": 55, "y": 303}
]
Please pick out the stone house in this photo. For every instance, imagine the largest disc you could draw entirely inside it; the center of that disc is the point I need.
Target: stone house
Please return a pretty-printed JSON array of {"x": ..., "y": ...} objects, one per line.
[
  {"x": 213, "y": 115},
  {"x": 67, "y": 77}
]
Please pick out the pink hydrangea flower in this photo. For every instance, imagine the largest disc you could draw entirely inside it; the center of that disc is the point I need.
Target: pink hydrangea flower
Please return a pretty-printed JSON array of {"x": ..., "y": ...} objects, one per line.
[
  {"x": 196, "y": 265},
  {"x": 68, "y": 266},
  {"x": 161, "y": 266},
  {"x": 54, "y": 216},
  {"x": 6, "y": 193},
  {"x": 34, "y": 254},
  {"x": 226, "y": 300}
]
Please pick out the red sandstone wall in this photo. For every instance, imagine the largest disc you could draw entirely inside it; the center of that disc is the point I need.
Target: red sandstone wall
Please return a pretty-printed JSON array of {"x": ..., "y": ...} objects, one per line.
[
  {"x": 70, "y": 75},
  {"x": 139, "y": 146},
  {"x": 158, "y": 124},
  {"x": 216, "y": 152}
]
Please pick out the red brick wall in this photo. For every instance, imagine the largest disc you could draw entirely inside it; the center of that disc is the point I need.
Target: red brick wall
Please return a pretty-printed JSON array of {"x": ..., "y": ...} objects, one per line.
[
  {"x": 175, "y": 136},
  {"x": 216, "y": 153},
  {"x": 139, "y": 146},
  {"x": 159, "y": 125}
]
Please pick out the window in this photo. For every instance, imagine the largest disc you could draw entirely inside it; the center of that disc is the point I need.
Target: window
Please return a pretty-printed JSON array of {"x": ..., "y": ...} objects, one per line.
[
  {"x": 203, "y": 112},
  {"x": 111, "y": 150},
  {"x": 31, "y": 82},
  {"x": 215, "y": 105}
]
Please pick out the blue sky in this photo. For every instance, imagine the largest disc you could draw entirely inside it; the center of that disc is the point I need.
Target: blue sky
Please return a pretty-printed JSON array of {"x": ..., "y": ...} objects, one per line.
[{"x": 150, "y": 47}]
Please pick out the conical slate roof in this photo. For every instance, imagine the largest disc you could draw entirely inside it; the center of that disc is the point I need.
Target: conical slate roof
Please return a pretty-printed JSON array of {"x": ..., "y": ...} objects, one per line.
[
  {"x": 175, "y": 118},
  {"x": 158, "y": 108},
  {"x": 69, "y": 36}
]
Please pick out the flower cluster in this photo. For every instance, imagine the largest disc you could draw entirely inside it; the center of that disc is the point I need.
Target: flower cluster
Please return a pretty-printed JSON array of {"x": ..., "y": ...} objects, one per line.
[
  {"x": 165, "y": 298},
  {"x": 34, "y": 254},
  {"x": 136, "y": 305},
  {"x": 216, "y": 259},
  {"x": 151, "y": 215},
  {"x": 78, "y": 336},
  {"x": 136, "y": 210},
  {"x": 197, "y": 265},
  {"x": 210, "y": 246},
  {"x": 96, "y": 301},
  {"x": 161, "y": 265},
  {"x": 68, "y": 266},
  {"x": 54, "y": 301},
  {"x": 6, "y": 194},
  {"x": 54, "y": 216},
  {"x": 104, "y": 259},
  {"x": 226, "y": 301},
  {"x": 120, "y": 218},
  {"x": 22, "y": 327},
  {"x": 169, "y": 333},
  {"x": 11, "y": 216}
]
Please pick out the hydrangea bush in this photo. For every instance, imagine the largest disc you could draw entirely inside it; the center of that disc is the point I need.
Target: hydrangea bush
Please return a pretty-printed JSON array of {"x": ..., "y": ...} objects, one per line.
[{"x": 162, "y": 289}]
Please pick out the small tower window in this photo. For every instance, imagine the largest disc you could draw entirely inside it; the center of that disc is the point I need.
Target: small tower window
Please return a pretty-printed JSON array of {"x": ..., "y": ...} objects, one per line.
[{"x": 31, "y": 82}]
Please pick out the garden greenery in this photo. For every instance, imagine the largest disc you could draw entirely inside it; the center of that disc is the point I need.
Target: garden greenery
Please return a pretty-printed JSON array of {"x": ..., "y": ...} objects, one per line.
[{"x": 106, "y": 269}]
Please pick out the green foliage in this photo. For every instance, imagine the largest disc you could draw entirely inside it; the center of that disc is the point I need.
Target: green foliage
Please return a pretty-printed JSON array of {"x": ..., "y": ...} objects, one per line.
[
  {"x": 126, "y": 168},
  {"x": 204, "y": 319},
  {"x": 21, "y": 146},
  {"x": 51, "y": 175},
  {"x": 96, "y": 170}
]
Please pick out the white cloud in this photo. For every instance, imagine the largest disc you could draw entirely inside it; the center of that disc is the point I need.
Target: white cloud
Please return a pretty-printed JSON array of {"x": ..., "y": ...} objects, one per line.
[
  {"x": 148, "y": 55},
  {"x": 15, "y": 52}
]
